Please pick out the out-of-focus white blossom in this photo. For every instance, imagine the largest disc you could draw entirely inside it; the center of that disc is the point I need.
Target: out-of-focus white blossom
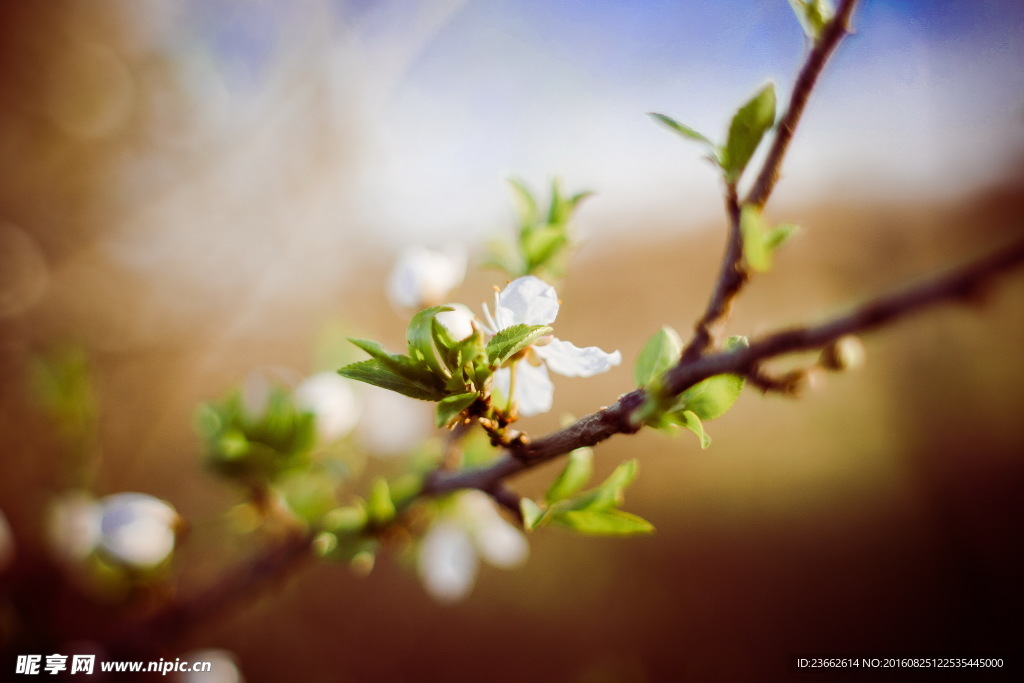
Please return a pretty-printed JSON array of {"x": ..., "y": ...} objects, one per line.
[
  {"x": 530, "y": 301},
  {"x": 331, "y": 399},
  {"x": 73, "y": 525},
  {"x": 392, "y": 425},
  {"x": 423, "y": 277},
  {"x": 223, "y": 667},
  {"x": 6, "y": 543},
  {"x": 135, "y": 529},
  {"x": 458, "y": 321},
  {"x": 449, "y": 555}
]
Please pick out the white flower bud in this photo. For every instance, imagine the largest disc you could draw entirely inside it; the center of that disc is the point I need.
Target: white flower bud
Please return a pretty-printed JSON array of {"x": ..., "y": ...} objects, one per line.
[
  {"x": 423, "y": 277},
  {"x": 137, "y": 529}
]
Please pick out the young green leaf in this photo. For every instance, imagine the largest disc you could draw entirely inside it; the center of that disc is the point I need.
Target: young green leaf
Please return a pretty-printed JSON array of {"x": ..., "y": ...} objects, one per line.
[
  {"x": 511, "y": 340},
  {"x": 690, "y": 420},
  {"x": 605, "y": 496},
  {"x": 420, "y": 339},
  {"x": 526, "y": 205},
  {"x": 373, "y": 372},
  {"x": 712, "y": 397},
  {"x": 604, "y": 522},
  {"x": 780, "y": 234},
  {"x": 813, "y": 15},
  {"x": 543, "y": 244},
  {"x": 760, "y": 241},
  {"x": 756, "y": 251},
  {"x": 736, "y": 341},
  {"x": 346, "y": 520},
  {"x": 574, "y": 477},
  {"x": 746, "y": 130},
  {"x": 379, "y": 506},
  {"x": 682, "y": 129},
  {"x": 659, "y": 354},
  {"x": 449, "y": 408},
  {"x": 400, "y": 365},
  {"x": 533, "y": 515}
]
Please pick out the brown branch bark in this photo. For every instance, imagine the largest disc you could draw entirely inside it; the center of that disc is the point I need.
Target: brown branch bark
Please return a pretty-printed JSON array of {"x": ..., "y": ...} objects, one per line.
[
  {"x": 733, "y": 274},
  {"x": 964, "y": 283},
  {"x": 823, "y": 48}
]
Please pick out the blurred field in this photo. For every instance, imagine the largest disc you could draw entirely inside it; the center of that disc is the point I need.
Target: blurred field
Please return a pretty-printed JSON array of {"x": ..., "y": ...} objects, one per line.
[{"x": 879, "y": 514}]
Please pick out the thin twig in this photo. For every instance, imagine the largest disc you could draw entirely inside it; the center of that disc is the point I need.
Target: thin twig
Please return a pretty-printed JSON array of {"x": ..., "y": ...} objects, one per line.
[
  {"x": 732, "y": 274},
  {"x": 731, "y": 278},
  {"x": 823, "y": 48}
]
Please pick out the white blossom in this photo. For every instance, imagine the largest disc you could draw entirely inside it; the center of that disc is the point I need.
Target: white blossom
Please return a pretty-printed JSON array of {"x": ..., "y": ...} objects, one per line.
[
  {"x": 530, "y": 301},
  {"x": 458, "y": 321},
  {"x": 137, "y": 529},
  {"x": 449, "y": 555},
  {"x": 331, "y": 399},
  {"x": 423, "y": 277},
  {"x": 73, "y": 525},
  {"x": 223, "y": 667}
]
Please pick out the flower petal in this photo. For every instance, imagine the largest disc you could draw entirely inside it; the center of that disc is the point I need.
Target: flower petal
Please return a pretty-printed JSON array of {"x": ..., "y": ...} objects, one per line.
[
  {"x": 458, "y": 321},
  {"x": 332, "y": 401},
  {"x": 447, "y": 562},
  {"x": 534, "y": 390},
  {"x": 497, "y": 541},
  {"x": 526, "y": 301},
  {"x": 568, "y": 359}
]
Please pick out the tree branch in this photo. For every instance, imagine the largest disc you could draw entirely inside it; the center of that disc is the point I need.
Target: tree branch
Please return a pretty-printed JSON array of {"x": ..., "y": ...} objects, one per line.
[
  {"x": 823, "y": 48},
  {"x": 966, "y": 283},
  {"x": 733, "y": 274}
]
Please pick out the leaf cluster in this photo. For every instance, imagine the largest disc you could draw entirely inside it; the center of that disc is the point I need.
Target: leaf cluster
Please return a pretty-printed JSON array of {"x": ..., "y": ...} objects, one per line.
[
  {"x": 454, "y": 373},
  {"x": 690, "y": 409},
  {"x": 747, "y": 128},
  {"x": 256, "y": 449},
  {"x": 542, "y": 234},
  {"x": 593, "y": 512}
]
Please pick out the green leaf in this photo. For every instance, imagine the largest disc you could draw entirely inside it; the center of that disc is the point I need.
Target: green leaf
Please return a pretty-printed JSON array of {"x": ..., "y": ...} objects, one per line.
[
  {"x": 532, "y": 513},
  {"x": 511, "y": 340},
  {"x": 451, "y": 407},
  {"x": 574, "y": 477},
  {"x": 690, "y": 420},
  {"x": 760, "y": 241},
  {"x": 712, "y": 397},
  {"x": 419, "y": 338},
  {"x": 605, "y": 496},
  {"x": 558, "y": 211},
  {"x": 379, "y": 505},
  {"x": 682, "y": 129},
  {"x": 543, "y": 244},
  {"x": 813, "y": 15},
  {"x": 746, "y": 130},
  {"x": 346, "y": 520},
  {"x": 400, "y": 365},
  {"x": 372, "y": 372},
  {"x": 736, "y": 341},
  {"x": 755, "y": 243},
  {"x": 780, "y": 234},
  {"x": 526, "y": 205},
  {"x": 604, "y": 522},
  {"x": 659, "y": 354}
]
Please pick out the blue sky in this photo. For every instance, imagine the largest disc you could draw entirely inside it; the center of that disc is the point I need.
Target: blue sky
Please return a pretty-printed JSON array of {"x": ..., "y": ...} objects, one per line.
[{"x": 460, "y": 94}]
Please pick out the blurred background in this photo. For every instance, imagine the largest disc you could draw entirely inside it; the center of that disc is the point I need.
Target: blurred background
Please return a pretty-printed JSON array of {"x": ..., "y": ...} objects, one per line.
[{"x": 194, "y": 189}]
